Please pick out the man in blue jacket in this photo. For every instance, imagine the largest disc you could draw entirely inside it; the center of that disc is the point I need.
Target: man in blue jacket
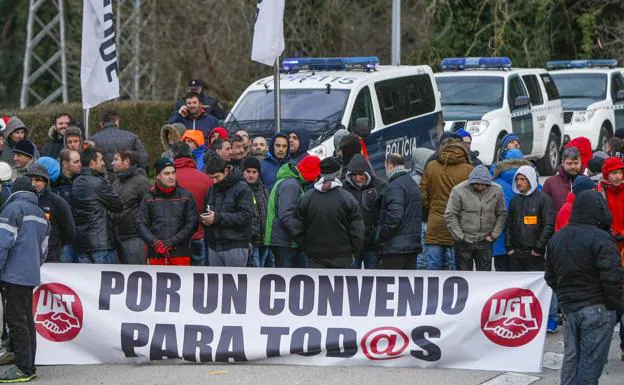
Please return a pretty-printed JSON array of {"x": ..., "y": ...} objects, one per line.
[
  {"x": 299, "y": 141},
  {"x": 278, "y": 155},
  {"x": 194, "y": 116},
  {"x": 24, "y": 235}
]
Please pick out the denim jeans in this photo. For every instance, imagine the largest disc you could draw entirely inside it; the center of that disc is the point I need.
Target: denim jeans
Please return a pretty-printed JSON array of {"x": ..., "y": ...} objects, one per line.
[
  {"x": 289, "y": 257},
  {"x": 421, "y": 259},
  {"x": 553, "y": 312},
  {"x": 258, "y": 256},
  {"x": 436, "y": 256},
  {"x": 103, "y": 257},
  {"x": 198, "y": 256},
  {"x": 68, "y": 254},
  {"x": 134, "y": 251},
  {"x": 369, "y": 258},
  {"x": 587, "y": 336}
]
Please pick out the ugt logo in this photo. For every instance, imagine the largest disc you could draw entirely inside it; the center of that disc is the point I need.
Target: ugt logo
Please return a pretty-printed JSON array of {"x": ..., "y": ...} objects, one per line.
[
  {"x": 511, "y": 317},
  {"x": 57, "y": 311}
]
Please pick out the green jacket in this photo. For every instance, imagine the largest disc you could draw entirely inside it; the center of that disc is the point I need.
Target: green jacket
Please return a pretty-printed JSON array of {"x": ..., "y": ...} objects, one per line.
[{"x": 282, "y": 223}]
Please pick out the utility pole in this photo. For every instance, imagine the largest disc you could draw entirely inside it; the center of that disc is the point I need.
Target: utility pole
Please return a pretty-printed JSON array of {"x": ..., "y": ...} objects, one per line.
[{"x": 396, "y": 32}]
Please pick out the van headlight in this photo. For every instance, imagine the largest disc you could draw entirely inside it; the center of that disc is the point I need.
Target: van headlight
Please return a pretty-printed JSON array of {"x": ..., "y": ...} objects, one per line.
[
  {"x": 319, "y": 152},
  {"x": 582, "y": 116},
  {"x": 477, "y": 127}
]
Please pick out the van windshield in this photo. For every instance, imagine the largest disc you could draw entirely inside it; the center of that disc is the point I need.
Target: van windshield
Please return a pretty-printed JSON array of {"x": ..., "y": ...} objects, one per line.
[
  {"x": 575, "y": 85},
  {"x": 316, "y": 110},
  {"x": 471, "y": 90}
]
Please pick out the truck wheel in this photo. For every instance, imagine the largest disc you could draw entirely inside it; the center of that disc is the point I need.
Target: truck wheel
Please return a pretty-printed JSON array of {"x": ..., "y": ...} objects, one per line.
[
  {"x": 549, "y": 163},
  {"x": 497, "y": 148},
  {"x": 604, "y": 138}
]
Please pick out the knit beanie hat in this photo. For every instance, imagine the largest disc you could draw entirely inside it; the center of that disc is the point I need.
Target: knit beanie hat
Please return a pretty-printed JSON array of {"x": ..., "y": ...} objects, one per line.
[
  {"x": 22, "y": 183},
  {"x": 480, "y": 174},
  {"x": 195, "y": 135},
  {"x": 251, "y": 162},
  {"x": 582, "y": 183},
  {"x": 463, "y": 133},
  {"x": 595, "y": 164},
  {"x": 38, "y": 170},
  {"x": 161, "y": 164},
  {"x": 508, "y": 139},
  {"x": 310, "y": 168},
  {"x": 25, "y": 147},
  {"x": 52, "y": 166},
  {"x": 330, "y": 168}
]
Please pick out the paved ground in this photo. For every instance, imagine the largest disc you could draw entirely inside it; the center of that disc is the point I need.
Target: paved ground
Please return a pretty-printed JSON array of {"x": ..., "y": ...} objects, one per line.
[{"x": 158, "y": 374}]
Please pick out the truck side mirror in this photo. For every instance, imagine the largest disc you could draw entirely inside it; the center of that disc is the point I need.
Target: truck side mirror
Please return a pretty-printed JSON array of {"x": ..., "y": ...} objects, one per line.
[{"x": 362, "y": 127}]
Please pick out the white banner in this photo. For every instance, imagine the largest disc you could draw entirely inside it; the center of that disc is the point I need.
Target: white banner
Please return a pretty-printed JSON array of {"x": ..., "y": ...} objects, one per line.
[
  {"x": 96, "y": 314},
  {"x": 268, "y": 38},
  {"x": 98, "y": 67}
]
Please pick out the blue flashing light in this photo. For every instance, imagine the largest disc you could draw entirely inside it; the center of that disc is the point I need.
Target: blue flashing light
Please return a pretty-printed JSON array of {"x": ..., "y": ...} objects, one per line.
[
  {"x": 562, "y": 64},
  {"x": 368, "y": 63},
  {"x": 461, "y": 63}
]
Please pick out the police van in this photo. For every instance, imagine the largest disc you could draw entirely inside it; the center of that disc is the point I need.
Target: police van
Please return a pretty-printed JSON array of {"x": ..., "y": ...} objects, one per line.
[
  {"x": 489, "y": 99},
  {"x": 395, "y": 108},
  {"x": 592, "y": 94}
]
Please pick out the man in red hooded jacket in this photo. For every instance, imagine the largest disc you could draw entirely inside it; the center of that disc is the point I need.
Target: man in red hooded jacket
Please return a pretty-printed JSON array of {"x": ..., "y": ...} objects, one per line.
[{"x": 612, "y": 188}]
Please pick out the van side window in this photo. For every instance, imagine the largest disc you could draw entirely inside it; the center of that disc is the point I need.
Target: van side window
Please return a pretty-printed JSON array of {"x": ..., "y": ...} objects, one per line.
[
  {"x": 551, "y": 88},
  {"x": 405, "y": 97},
  {"x": 535, "y": 92},
  {"x": 362, "y": 108},
  {"x": 516, "y": 88},
  {"x": 617, "y": 84}
]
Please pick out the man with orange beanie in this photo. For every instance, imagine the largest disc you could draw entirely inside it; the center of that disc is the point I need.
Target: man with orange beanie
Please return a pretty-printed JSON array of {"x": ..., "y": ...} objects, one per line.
[
  {"x": 282, "y": 225},
  {"x": 195, "y": 140}
]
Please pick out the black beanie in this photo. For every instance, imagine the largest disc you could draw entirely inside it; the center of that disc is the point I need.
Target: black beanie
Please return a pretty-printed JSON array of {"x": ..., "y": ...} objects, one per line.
[
  {"x": 161, "y": 164},
  {"x": 22, "y": 183},
  {"x": 595, "y": 165},
  {"x": 251, "y": 162}
]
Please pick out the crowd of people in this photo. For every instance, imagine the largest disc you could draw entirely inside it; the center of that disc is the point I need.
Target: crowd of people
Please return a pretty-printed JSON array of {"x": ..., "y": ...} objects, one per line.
[{"x": 221, "y": 198}]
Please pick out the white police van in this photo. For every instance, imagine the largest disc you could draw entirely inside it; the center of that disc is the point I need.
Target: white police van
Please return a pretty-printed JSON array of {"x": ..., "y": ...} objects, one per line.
[
  {"x": 592, "y": 94},
  {"x": 396, "y": 108},
  {"x": 489, "y": 99}
]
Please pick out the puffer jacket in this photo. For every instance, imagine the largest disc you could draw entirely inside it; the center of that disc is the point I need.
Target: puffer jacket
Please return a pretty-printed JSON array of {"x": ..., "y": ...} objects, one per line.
[
  {"x": 368, "y": 196},
  {"x": 23, "y": 239},
  {"x": 472, "y": 215},
  {"x": 92, "y": 200},
  {"x": 332, "y": 225},
  {"x": 62, "y": 226},
  {"x": 400, "y": 223},
  {"x": 270, "y": 165},
  {"x": 56, "y": 144},
  {"x": 451, "y": 167},
  {"x": 131, "y": 185},
  {"x": 281, "y": 225},
  {"x": 531, "y": 219},
  {"x": 304, "y": 145},
  {"x": 232, "y": 203},
  {"x": 504, "y": 173},
  {"x": 582, "y": 262},
  {"x": 557, "y": 188},
  {"x": 170, "y": 217}
]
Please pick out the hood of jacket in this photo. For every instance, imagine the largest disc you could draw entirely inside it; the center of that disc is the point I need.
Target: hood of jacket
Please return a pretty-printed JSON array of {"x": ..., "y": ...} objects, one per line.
[
  {"x": 184, "y": 163},
  {"x": 359, "y": 164},
  {"x": 234, "y": 175},
  {"x": 53, "y": 134},
  {"x": 164, "y": 134},
  {"x": 289, "y": 170},
  {"x": 531, "y": 175},
  {"x": 509, "y": 164},
  {"x": 14, "y": 123},
  {"x": 271, "y": 153},
  {"x": 590, "y": 208},
  {"x": 304, "y": 141},
  {"x": 419, "y": 158},
  {"x": 453, "y": 152},
  {"x": 585, "y": 148},
  {"x": 222, "y": 132}
]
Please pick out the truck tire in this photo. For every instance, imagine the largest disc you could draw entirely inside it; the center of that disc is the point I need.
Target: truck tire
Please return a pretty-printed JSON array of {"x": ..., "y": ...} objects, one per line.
[{"x": 547, "y": 166}]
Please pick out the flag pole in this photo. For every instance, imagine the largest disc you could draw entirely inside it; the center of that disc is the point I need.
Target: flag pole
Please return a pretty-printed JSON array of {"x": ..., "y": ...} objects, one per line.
[
  {"x": 276, "y": 88},
  {"x": 86, "y": 123}
]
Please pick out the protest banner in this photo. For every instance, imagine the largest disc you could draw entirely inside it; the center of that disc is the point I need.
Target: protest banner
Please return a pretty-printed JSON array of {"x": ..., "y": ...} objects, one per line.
[{"x": 104, "y": 314}]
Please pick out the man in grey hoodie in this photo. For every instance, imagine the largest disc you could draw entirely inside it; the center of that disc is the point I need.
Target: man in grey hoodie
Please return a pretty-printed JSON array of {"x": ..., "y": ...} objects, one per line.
[{"x": 475, "y": 216}]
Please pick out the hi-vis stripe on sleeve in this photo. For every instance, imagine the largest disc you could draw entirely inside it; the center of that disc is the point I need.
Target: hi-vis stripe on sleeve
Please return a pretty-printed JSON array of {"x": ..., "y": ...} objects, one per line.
[
  {"x": 11, "y": 229},
  {"x": 35, "y": 218}
]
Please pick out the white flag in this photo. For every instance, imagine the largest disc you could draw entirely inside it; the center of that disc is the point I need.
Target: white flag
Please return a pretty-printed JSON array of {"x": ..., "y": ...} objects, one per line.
[
  {"x": 268, "y": 39},
  {"x": 98, "y": 70}
]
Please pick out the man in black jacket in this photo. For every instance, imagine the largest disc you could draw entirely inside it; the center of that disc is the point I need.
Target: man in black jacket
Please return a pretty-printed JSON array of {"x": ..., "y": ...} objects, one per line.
[
  {"x": 331, "y": 222},
  {"x": 131, "y": 184},
  {"x": 167, "y": 218},
  {"x": 583, "y": 268},
  {"x": 56, "y": 133},
  {"x": 260, "y": 197},
  {"x": 56, "y": 210},
  {"x": 92, "y": 200},
  {"x": 228, "y": 217},
  {"x": 530, "y": 223},
  {"x": 400, "y": 224},
  {"x": 361, "y": 182}
]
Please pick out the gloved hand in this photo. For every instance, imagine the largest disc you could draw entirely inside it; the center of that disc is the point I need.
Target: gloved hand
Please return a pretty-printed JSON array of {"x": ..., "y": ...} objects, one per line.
[{"x": 161, "y": 248}]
